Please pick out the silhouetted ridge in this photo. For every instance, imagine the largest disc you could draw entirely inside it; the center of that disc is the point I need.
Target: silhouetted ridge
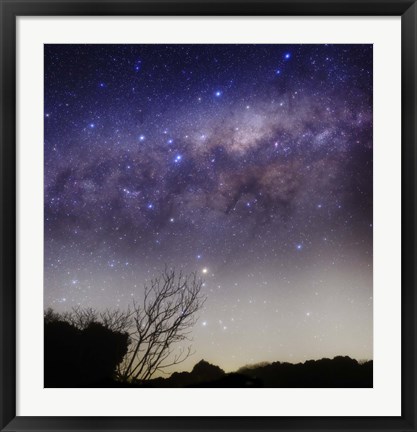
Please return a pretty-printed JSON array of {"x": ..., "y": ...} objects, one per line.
[
  {"x": 337, "y": 372},
  {"x": 342, "y": 372}
]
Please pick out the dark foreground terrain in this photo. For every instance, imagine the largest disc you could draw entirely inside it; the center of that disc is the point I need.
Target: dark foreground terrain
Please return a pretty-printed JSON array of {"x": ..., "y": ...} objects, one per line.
[
  {"x": 88, "y": 358},
  {"x": 337, "y": 372}
]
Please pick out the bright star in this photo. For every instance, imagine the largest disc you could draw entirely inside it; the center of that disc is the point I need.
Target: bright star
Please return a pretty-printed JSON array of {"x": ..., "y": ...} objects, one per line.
[
  {"x": 299, "y": 246},
  {"x": 178, "y": 159},
  {"x": 138, "y": 65},
  {"x": 277, "y": 72},
  {"x": 218, "y": 93},
  {"x": 287, "y": 56},
  {"x": 205, "y": 270},
  {"x": 142, "y": 138}
]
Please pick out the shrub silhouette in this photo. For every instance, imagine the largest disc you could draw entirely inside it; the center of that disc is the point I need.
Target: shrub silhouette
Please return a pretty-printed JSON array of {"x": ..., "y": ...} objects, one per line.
[{"x": 81, "y": 358}]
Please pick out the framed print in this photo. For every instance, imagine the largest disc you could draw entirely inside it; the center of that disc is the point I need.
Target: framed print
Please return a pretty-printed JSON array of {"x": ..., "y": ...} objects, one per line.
[{"x": 208, "y": 215}]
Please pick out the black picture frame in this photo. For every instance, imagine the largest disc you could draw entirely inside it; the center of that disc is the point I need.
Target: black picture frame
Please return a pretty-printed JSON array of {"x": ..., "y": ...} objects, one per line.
[{"x": 10, "y": 9}]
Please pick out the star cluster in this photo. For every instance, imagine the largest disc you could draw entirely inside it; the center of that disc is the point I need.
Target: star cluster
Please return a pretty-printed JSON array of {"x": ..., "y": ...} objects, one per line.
[{"x": 250, "y": 164}]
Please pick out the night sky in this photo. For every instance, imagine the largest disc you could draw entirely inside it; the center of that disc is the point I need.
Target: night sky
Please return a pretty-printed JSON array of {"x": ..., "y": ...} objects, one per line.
[{"x": 249, "y": 164}]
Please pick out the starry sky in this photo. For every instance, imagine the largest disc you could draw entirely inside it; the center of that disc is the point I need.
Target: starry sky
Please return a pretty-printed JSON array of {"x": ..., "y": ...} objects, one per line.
[{"x": 249, "y": 164}]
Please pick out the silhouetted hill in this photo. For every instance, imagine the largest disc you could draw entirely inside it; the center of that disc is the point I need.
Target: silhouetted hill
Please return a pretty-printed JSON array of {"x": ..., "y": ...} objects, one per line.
[
  {"x": 202, "y": 372},
  {"x": 339, "y": 372}
]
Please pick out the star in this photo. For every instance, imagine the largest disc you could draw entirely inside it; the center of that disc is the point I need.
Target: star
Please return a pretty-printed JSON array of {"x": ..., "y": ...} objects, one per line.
[{"x": 138, "y": 65}]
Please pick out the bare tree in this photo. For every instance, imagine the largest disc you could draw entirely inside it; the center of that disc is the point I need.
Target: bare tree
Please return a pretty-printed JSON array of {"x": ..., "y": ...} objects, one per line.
[
  {"x": 165, "y": 318},
  {"x": 50, "y": 316},
  {"x": 155, "y": 327},
  {"x": 80, "y": 317},
  {"x": 113, "y": 319},
  {"x": 117, "y": 320}
]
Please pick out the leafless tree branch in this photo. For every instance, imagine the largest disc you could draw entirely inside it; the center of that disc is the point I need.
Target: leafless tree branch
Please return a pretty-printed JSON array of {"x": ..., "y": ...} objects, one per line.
[
  {"x": 163, "y": 319},
  {"x": 166, "y": 317}
]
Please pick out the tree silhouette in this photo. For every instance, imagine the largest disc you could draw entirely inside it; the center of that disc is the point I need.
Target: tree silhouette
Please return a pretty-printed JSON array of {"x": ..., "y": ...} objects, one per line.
[
  {"x": 154, "y": 327},
  {"x": 164, "y": 319},
  {"x": 112, "y": 319},
  {"x": 77, "y": 357}
]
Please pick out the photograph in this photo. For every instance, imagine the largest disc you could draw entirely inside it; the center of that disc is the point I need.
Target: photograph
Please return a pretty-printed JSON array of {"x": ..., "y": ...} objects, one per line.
[{"x": 208, "y": 216}]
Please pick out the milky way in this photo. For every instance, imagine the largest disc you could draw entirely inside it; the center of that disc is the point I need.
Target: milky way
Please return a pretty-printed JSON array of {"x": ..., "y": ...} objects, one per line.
[{"x": 249, "y": 164}]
